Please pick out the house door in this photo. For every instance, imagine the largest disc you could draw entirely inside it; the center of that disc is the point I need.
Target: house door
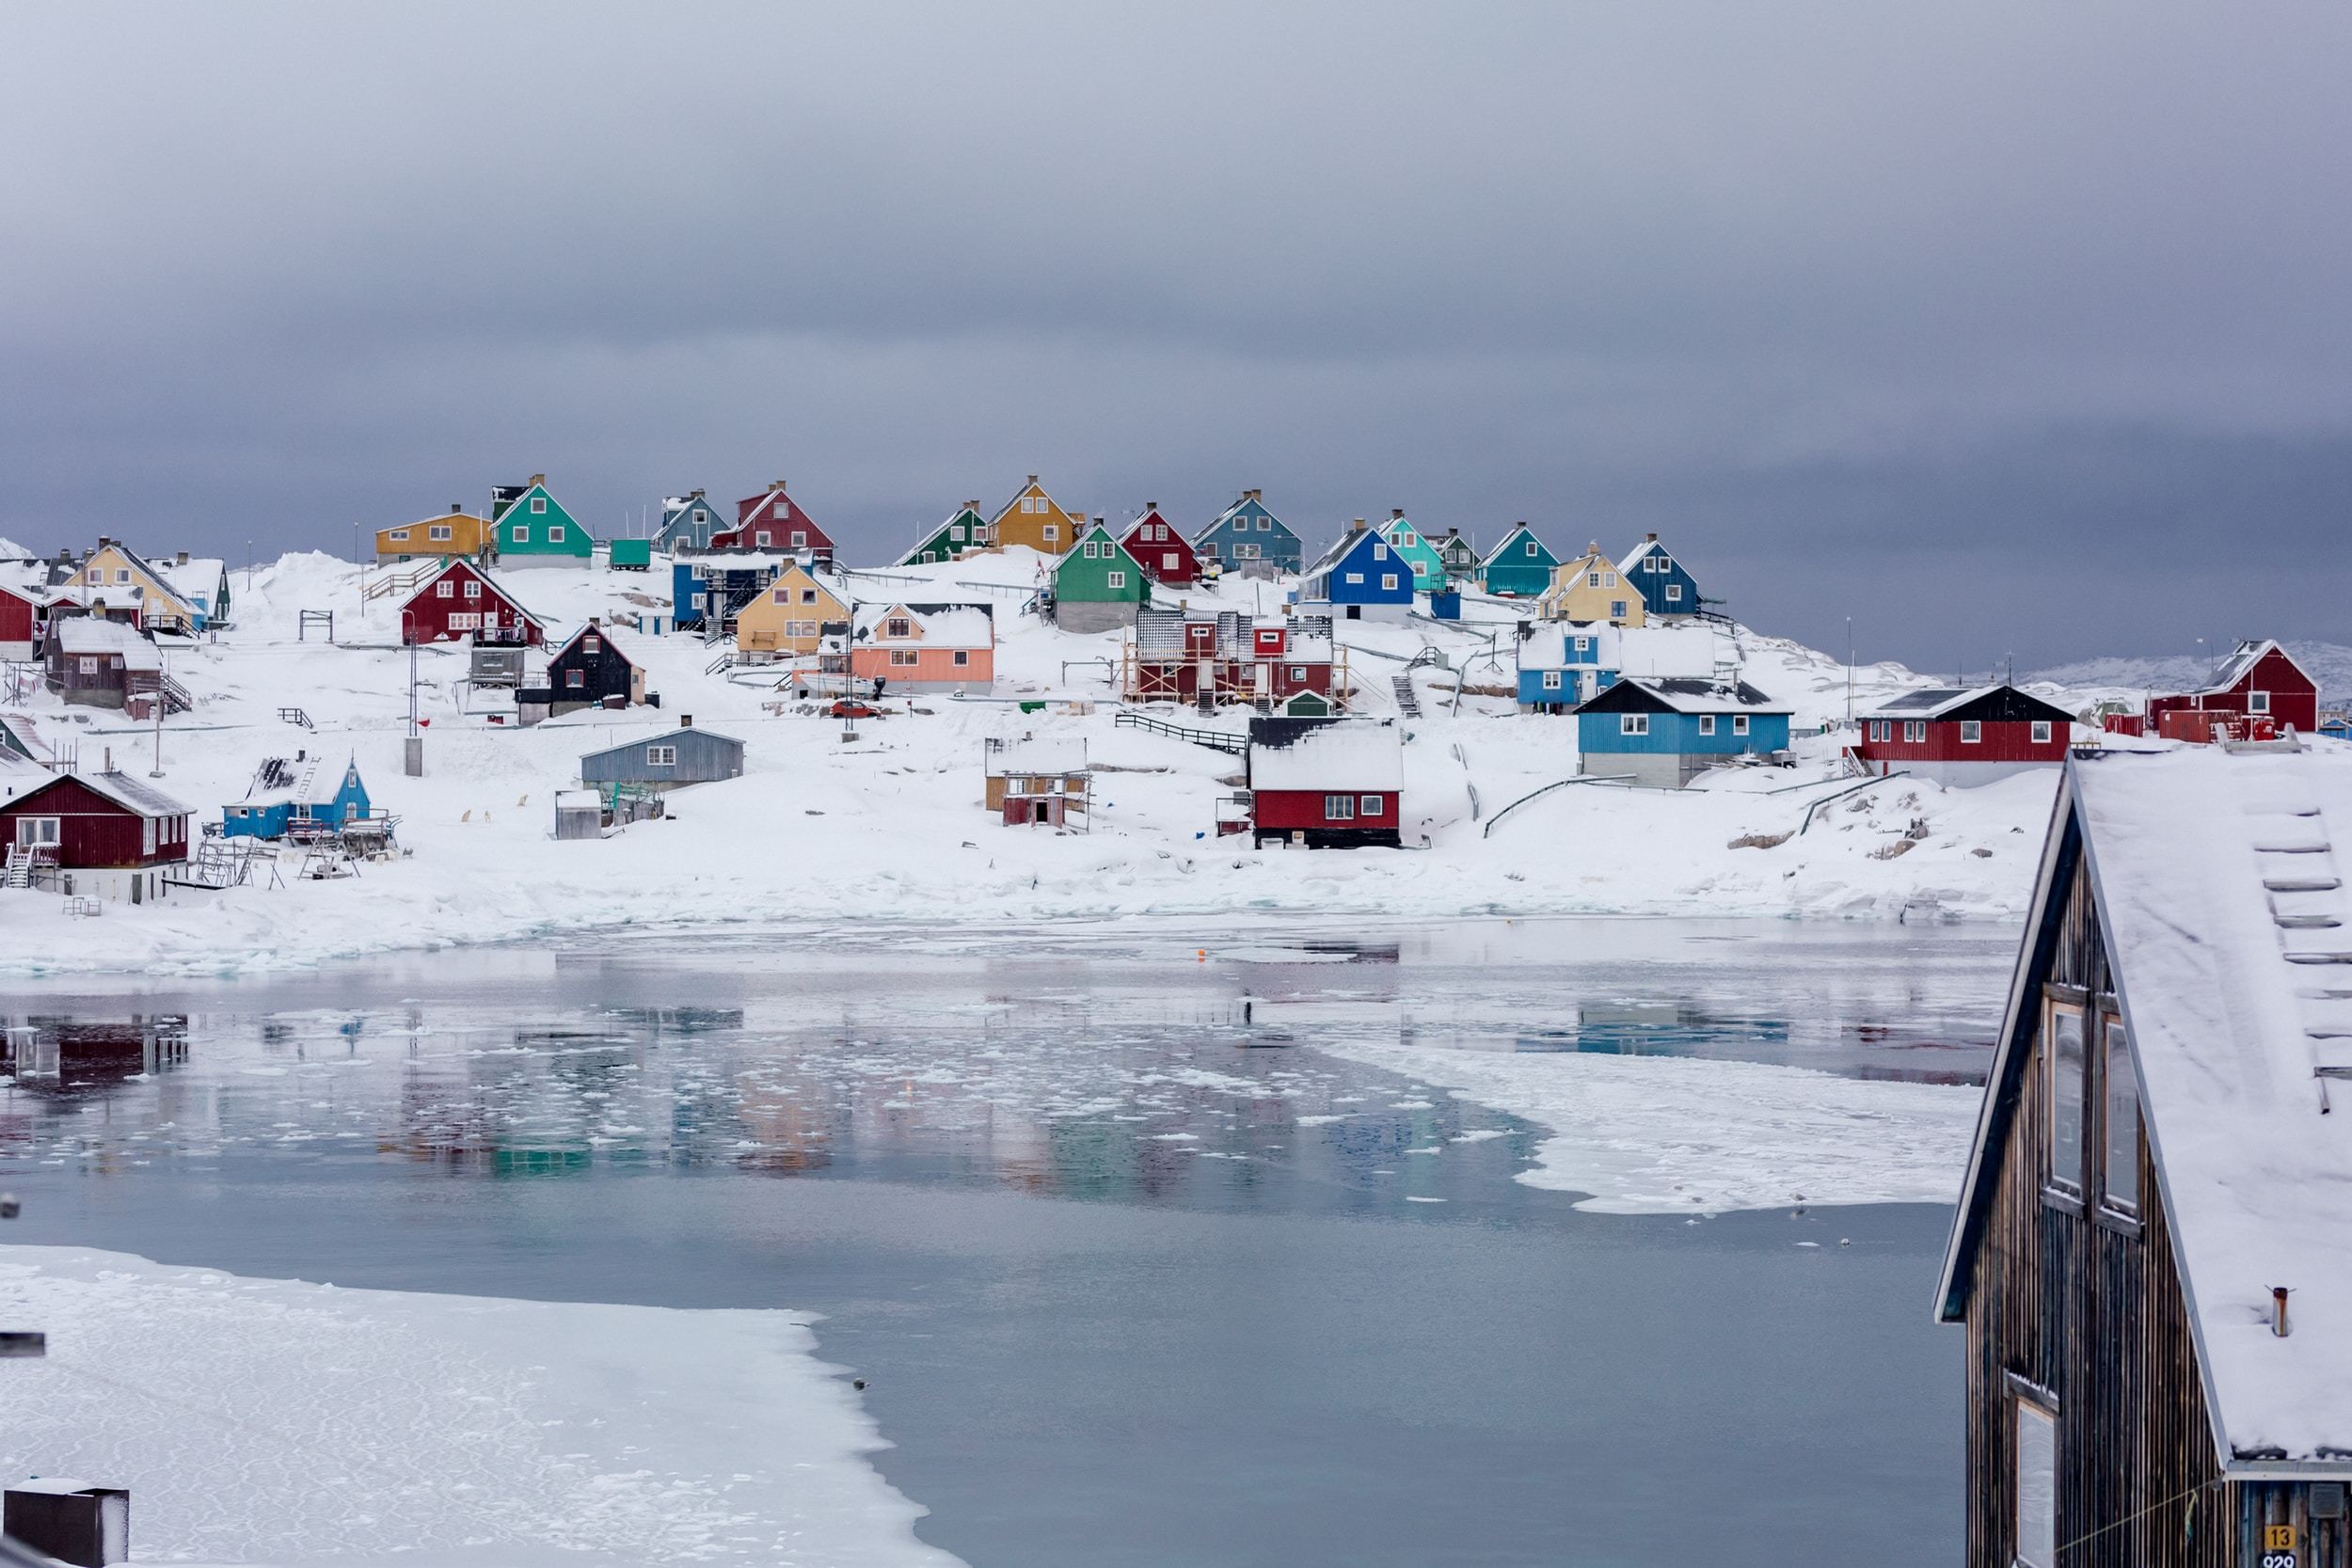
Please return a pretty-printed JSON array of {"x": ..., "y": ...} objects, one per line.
[{"x": 1041, "y": 811}]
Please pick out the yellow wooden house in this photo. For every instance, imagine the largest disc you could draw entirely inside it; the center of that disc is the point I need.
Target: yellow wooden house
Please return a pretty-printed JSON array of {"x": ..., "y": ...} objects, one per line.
[
  {"x": 1032, "y": 518},
  {"x": 789, "y": 617},
  {"x": 122, "y": 577},
  {"x": 1592, "y": 589},
  {"x": 454, "y": 532}
]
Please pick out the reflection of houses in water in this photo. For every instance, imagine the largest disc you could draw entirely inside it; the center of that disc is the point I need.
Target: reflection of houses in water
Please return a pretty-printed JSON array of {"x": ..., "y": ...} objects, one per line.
[
  {"x": 1653, "y": 1029},
  {"x": 79, "y": 1053}
]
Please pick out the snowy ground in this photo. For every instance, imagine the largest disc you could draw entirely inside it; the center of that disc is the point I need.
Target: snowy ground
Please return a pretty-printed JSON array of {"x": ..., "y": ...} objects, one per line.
[
  {"x": 889, "y": 825},
  {"x": 273, "y": 1421}
]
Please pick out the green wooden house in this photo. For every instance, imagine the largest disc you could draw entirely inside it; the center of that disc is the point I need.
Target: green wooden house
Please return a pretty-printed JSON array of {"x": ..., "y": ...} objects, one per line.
[
  {"x": 533, "y": 530},
  {"x": 961, "y": 534},
  {"x": 1521, "y": 565},
  {"x": 1097, "y": 586},
  {"x": 1458, "y": 555},
  {"x": 1429, "y": 572}
]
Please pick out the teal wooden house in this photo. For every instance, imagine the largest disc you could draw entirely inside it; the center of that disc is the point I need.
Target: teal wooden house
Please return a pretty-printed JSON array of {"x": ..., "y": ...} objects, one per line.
[
  {"x": 1664, "y": 583},
  {"x": 287, "y": 797},
  {"x": 964, "y": 531},
  {"x": 1097, "y": 586},
  {"x": 1664, "y": 734},
  {"x": 1520, "y": 566},
  {"x": 1248, "y": 539},
  {"x": 1428, "y": 567},
  {"x": 533, "y": 530}
]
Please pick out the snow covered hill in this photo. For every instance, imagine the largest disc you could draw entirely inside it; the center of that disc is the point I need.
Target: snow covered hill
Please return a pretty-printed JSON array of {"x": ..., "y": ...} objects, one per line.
[{"x": 888, "y": 826}]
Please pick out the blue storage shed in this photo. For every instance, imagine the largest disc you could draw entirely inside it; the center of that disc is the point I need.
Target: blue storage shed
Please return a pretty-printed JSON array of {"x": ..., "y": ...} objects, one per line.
[
  {"x": 666, "y": 759},
  {"x": 1664, "y": 733}
]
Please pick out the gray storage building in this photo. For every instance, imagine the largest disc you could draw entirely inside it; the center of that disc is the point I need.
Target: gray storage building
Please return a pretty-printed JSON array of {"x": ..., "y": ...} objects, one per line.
[{"x": 666, "y": 759}]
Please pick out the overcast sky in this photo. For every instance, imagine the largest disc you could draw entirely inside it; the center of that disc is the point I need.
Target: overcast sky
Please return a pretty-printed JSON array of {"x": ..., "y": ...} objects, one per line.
[{"x": 1999, "y": 328}]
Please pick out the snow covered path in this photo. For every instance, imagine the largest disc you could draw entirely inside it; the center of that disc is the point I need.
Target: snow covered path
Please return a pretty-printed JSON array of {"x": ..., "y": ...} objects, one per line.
[{"x": 272, "y": 1421}]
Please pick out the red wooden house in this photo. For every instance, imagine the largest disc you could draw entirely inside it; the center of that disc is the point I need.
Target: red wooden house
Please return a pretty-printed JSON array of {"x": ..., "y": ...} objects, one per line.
[
  {"x": 95, "y": 836},
  {"x": 1964, "y": 737},
  {"x": 772, "y": 520},
  {"x": 461, "y": 600},
  {"x": 2257, "y": 687},
  {"x": 1188, "y": 655},
  {"x": 1327, "y": 783},
  {"x": 1165, "y": 556},
  {"x": 23, "y": 617}
]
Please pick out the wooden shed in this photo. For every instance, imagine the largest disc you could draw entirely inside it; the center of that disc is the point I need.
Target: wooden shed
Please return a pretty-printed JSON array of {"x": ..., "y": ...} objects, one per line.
[
  {"x": 1039, "y": 779},
  {"x": 667, "y": 759},
  {"x": 2152, "y": 1257},
  {"x": 93, "y": 662}
]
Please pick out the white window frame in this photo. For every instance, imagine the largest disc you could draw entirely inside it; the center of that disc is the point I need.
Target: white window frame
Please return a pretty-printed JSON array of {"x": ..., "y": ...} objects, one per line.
[
  {"x": 1387, "y": 582},
  {"x": 1706, "y": 723},
  {"x": 520, "y": 534},
  {"x": 399, "y": 536},
  {"x": 2033, "y": 1439},
  {"x": 1916, "y": 730},
  {"x": 1051, "y": 532},
  {"x": 39, "y": 832},
  {"x": 901, "y": 658},
  {"x": 1739, "y": 723},
  {"x": 800, "y": 539},
  {"x": 1372, "y": 805},
  {"x": 2053, "y": 1009},
  {"x": 1551, "y": 680},
  {"x": 662, "y": 756},
  {"x": 445, "y": 590},
  {"x": 783, "y": 508},
  {"x": 1355, "y": 577},
  {"x": 1114, "y": 580},
  {"x": 1972, "y": 732},
  {"x": 1620, "y": 609},
  {"x": 2115, "y": 1051},
  {"x": 961, "y": 657},
  {"x": 473, "y": 588},
  {"x": 1339, "y": 808},
  {"x": 2042, "y": 732},
  {"x": 2257, "y": 702},
  {"x": 1673, "y": 592},
  {"x": 1633, "y": 724},
  {"x": 435, "y": 532},
  {"x": 538, "y": 505}
]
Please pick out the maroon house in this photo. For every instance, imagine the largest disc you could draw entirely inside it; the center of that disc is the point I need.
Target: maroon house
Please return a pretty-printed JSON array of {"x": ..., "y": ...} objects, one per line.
[
  {"x": 772, "y": 520},
  {"x": 23, "y": 616},
  {"x": 2259, "y": 681},
  {"x": 460, "y": 600},
  {"x": 98, "y": 835},
  {"x": 1964, "y": 737},
  {"x": 1165, "y": 556},
  {"x": 1179, "y": 655},
  {"x": 1327, "y": 783}
]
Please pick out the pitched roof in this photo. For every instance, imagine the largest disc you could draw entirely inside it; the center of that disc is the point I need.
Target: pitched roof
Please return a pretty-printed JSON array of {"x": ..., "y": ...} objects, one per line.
[
  {"x": 1947, "y": 702},
  {"x": 1678, "y": 695},
  {"x": 2239, "y": 665},
  {"x": 1645, "y": 548},
  {"x": 1037, "y": 755},
  {"x": 657, "y": 736},
  {"x": 94, "y": 633},
  {"x": 471, "y": 569},
  {"x": 1326, "y": 753},
  {"x": 1348, "y": 541},
  {"x": 2218, "y": 882},
  {"x": 944, "y": 626},
  {"x": 135, "y": 796}
]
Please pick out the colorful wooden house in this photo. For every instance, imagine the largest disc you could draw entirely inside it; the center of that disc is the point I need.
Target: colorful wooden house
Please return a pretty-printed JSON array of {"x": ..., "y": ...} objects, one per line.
[
  {"x": 789, "y": 618},
  {"x": 923, "y": 647},
  {"x": 1359, "y": 579},
  {"x": 589, "y": 670},
  {"x": 1097, "y": 586},
  {"x": 1664, "y": 583},
  {"x": 1165, "y": 556},
  {"x": 286, "y": 798},
  {"x": 137, "y": 590},
  {"x": 1592, "y": 589},
  {"x": 1033, "y": 518},
  {"x": 688, "y": 521},
  {"x": 533, "y": 530},
  {"x": 665, "y": 760},
  {"x": 772, "y": 520},
  {"x": 92, "y": 661},
  {"x": 1428, "y": 567},
  {"x": 1213, "y": 657},
  {"x": 95, "y": 836},
  {"x": 1458, "y": 556},
  {"x": 1522, "y": 566},
  {"x": 964, "y": 532},
  {"x": 1962, "y": 737},
  {"x": 1041, "y": 781},
  {"x": 708, "y": 591},
  {"x": 23, "y": 622},
  {"x": 1563, "y": 663},
  {"x": 2336, "y": 727},
  {"x": 1250, "y": 540},
  {"x": 202, "y": 581},
  {"x": 461, "y": 600},
  {"x": 2258, "y": 685},
  {"x": 1662, "y": 734},
  {"x": 454, "y": 532},
  {"x": 2147, "y": 1257},
  {"x": 1325, "y": 783}
]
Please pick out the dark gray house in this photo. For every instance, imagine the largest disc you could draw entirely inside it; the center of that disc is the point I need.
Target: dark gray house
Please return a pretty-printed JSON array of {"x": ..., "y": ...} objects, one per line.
[{"x": 666, "y": 759}]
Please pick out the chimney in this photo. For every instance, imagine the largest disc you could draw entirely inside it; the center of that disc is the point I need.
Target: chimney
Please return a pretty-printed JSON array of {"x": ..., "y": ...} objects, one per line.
[
  {"x": 1150, "y": 506},
  {"x": 694, "y": 495},
  {"x": 592, "y": 623},
  {"x": 110, "y": 768},
  {"x": 2279, "y": 1311},
  {"x": 1649, "y": 538},
  {"x": 774, "y": 485},
  {"x": 1396, "y": 512},
  {"x": 685, "y": 720},
  {"x": 972, "y": 505},
  {"x": 1356, "y": 527},
  {"x": 458, "y": 509},
  {"x": 179, "y": 558},
  {"x": 538, "y": 479},
  {"x": 1454, "y": 533},
  {"x": 1033, "y": 479},
  {"x": 1254, "y": 494}
]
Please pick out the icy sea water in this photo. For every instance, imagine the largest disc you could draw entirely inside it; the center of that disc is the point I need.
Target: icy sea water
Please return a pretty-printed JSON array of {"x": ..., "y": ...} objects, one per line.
[{"x": 1136, "y": 1276}]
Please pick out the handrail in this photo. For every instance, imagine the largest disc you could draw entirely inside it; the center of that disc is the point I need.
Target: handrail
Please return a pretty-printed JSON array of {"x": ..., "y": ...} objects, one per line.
[
  {"x": 1851, "y": 789},
  {"x": 1496, "y": 821},
  {"x": 1217, "y": 740}
]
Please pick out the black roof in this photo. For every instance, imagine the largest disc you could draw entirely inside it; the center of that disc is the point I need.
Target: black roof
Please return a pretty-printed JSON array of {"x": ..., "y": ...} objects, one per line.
[{"x": 1679, "y": 695}]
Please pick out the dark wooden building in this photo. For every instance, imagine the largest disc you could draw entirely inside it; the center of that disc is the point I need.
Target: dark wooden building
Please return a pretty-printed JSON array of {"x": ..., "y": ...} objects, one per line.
[
  {"x": 463, "y": 600},
  {"x": 588, "y": 671},
  {"x": 1327, "y": 783},
  {"x": 1971, "y": 737},
  {"x": 99, "y": 835},
  {"x": 2153, "y": 1252},
  {"x": 2259, "y": 684}
]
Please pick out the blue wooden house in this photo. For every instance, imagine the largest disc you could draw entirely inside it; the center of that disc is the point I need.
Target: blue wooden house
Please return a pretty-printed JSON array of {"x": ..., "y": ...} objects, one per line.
[
  {"x": 1359, "y": 579},
  {"x": 687, "y": 523},
  {"x": 2335, "y": 726},
  {"x": 287, "y": 797},
  {"x": 1664, "y": 733},
  {"x": 718, "y": 583},
  {"x": 1250, "y": 540},
  {"x": 1521, "y": 565},
  {"x": 1562, "y": 663},
  {"x": 1664, "y": 583}
]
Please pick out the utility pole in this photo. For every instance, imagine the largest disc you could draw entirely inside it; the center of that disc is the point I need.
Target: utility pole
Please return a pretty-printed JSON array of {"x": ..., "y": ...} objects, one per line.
[
  {"x": 163, "y": 684},
  {"x": 412, "y": 753},
  {"x": 1850, "y": 671}
]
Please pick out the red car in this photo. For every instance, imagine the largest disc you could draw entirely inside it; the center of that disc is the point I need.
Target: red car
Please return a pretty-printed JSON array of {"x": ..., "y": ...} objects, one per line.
[{"x": 849, "y": 707}]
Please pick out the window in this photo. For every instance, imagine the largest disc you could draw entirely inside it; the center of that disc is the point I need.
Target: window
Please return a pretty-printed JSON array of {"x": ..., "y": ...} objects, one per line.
[
  {"x": 1616, "y": 609},
  {"x": 399, "y": 536},
  {"x": 591, "y": 646},
  {"x": 1531, "y": 546},
  {"x": 1877, "y": 729},
  {"x": 701, "y": 515},
  {"x": 1028, "y": 503},
  {"x": 1739, "y": 723},
  {"x": 122, "y": 574},
  {"x": 901, "y": 657},
  {"x": 1298, "y": 671},
  {"x": 1339, "y": 808},
  {"x": 784, "y": 508},
  {"x": 460, "y": 621},
  {"x": 2258, "y": 701},
  {"x": 574, "y": 678},
  {"x": 1114, "y": 579},
  {"x": 519, "y": 533},
  {"x": 36, "y": 832},
  {"x": 1706, "y": 723},
  {"x": 147, "y": 835},
  {"x": 1266, "y": 524},
  {"x": 445, "y": 590},
  {"x": 799, "y": 538},
  {"x": 1169, "y": 563},
  {"x": 2120, "y": 1188},
  {"x": 1633, "y": 724},
  {"x": 1387, "y": 580},
  {"x": 1374, "y": 804},
  {"x": 898, "y": 625},
  {"x": 1593, "y": 579},
  {"x": 1551, "y": 680},
  {"x": 1583, "y": 645},
  {"x": 441, "y": 533},
  {"x": 662, "y": 756},
  {"x": 960, "y": 659},
  {"x": 1052, "y": 533},
  {"x": 2062, "y": 1038},
  {"x": 1673, "y": 592},
  {"x": 2037, "y": 1486},
  {"x": 555, "y": 534},
  {"x": 1971, "y": 732},
  {"x": 2042, "y": 732},
  {"x": 1379, "y": 552},
  {"x": 538, "y": 504},
  {"x": 782, "y": 595},
  {"x": 1916, "y": 730},
  {"x": 473, "y": 588},
  {"x": 1356, "y": 577}
]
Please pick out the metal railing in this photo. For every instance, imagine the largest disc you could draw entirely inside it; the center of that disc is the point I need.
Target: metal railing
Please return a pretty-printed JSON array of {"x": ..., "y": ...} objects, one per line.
[
  {"x": 1850, "y": 789},
  {"x": 1217, "y": 740},
  {"x": 1496, "y": 821}
]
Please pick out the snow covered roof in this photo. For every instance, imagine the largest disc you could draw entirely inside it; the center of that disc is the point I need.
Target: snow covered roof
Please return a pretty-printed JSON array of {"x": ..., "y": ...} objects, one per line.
[
  {"x": 2220, "y": 887},
  {"x": 92, "y": 634},
  {"x": 944, "y": 625},
  {"x": 1339, "y": 753},
  {"x": 2234, "y": 669},
  {"x": 1997, "y": 700},
  {"x": 1689, "y": 696},
  {"x": 1034, "y": 755},
  {"x": 657, "y": 736},
  {"x": 196, "y": 580},
  {"x": 133, "y": 795}
]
